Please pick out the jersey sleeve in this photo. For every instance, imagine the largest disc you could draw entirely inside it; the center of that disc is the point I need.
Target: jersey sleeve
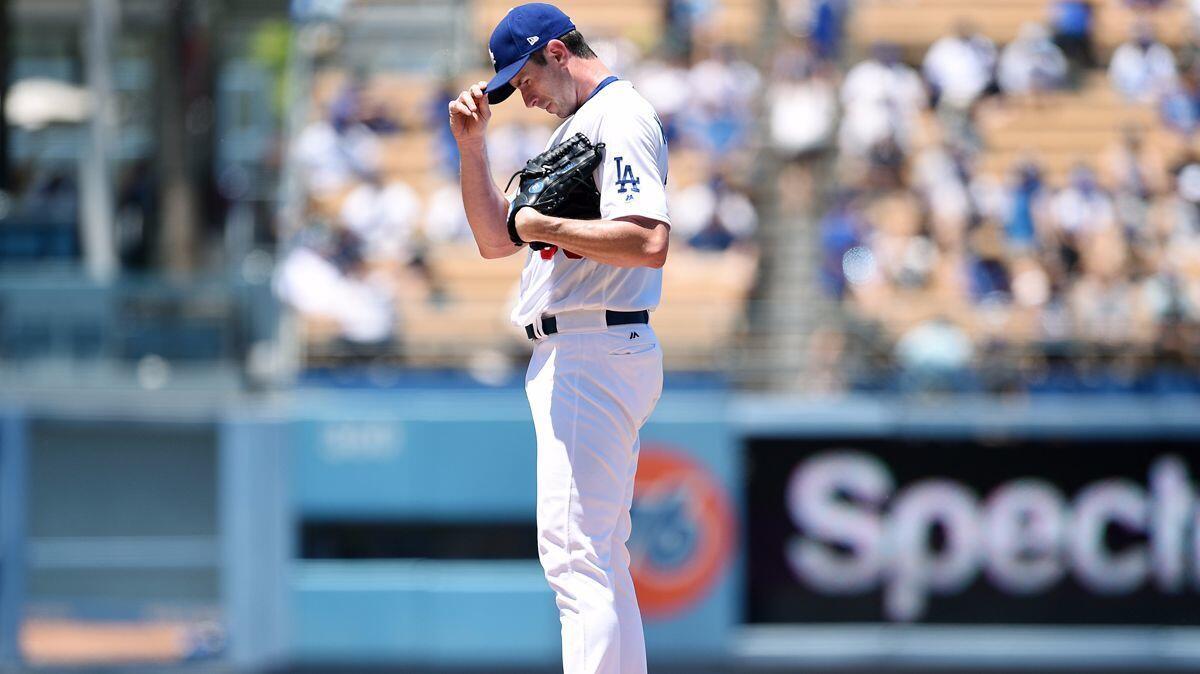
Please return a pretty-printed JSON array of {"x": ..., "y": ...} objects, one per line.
[{"x": 632, "y": 178}]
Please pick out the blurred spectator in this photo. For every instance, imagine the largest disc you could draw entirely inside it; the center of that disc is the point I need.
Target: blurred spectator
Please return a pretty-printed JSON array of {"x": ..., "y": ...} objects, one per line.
[
  {"x": 801, "y": 103},
  {"x": 825, "y": 28},
  {"x": 723, "y": 88},
  {"x": 683, "y": 19},
  {"x": 1082, "y": 207},
  {"x": 51, "y": 196},
  {"x": 934, "y": 356},
  {"x": 1032, "y": 63},
  {"x": 1027, "y": 203},
  {"x": 1143, "y": 69},
  {"x": 1180, "y": 105},
  {"x": 1135, "y": 172},
  {"x": 617, "y": 52},
  {"x": 714, "y": 215},
  {"x": 881, "y": 98},
  {"x": 842, "y": 229},
  {"x": 1177, "y": 217},
  {"x": 987, "y": 273},
  {"x": 942, "y": 175},
  {"x": 664, "y": 83},
  {"x": 959, "y": 69},
  {"x": 511, "y": 145},
  {"x": 1071, "y": 22},
  {"x": 447, "y": 147},
  {"x": 383, "y": 218},
  {"x": 445, "y": 217},
  {"x": 1133, "y": 166},
  {"x": 334, "y": 151},
  {"x": 329, "y": 281}
]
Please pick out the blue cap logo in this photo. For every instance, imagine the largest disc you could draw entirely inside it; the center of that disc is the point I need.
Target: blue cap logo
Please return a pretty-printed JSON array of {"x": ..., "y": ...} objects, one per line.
[{"x": 524, "y": 30}]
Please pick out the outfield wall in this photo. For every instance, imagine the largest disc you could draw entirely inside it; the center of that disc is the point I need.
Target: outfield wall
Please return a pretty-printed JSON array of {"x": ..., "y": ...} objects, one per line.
[{"x": 396, "y": 527}]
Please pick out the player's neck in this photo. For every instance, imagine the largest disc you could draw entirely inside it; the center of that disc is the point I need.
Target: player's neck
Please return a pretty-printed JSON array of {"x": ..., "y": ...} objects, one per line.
[{"x": 588, "y": 74}]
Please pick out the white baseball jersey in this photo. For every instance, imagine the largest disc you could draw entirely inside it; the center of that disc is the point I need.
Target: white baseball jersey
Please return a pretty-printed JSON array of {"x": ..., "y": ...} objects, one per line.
[{"x": 632, "y": 179}]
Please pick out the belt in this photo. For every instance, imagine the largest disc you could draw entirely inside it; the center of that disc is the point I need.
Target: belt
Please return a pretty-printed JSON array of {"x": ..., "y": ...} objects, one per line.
[{"x": 550, "y": 324}]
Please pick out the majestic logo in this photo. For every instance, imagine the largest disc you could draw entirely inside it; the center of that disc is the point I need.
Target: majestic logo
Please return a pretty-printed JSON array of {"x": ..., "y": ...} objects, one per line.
[
  {"x": 683, "y": 531},
  {"x": 532, "y": 40},
  {"x": 634, "y": 335},
  {"x": 626, "y": 182}
]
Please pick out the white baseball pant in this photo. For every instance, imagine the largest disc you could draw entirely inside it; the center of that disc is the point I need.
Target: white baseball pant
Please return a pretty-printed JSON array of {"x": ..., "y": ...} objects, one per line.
[{"x": 590, "y": 392}]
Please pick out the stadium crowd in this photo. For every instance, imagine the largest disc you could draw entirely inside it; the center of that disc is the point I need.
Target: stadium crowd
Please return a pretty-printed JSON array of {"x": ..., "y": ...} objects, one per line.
[
  {"x": 954, "y": 278},
  {"x": 366, "y": 229}
]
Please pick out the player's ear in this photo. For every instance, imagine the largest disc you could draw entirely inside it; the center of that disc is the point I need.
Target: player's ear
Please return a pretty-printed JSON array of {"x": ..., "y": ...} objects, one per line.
[{"x": 556, "y": 51}]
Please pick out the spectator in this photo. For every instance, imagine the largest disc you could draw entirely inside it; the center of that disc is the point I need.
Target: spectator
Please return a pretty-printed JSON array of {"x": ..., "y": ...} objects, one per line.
[
  {"x": 1071, "y": 21},
  {"x": 511, "y": 145},
  {"x": 1027, "y": 203},
  {"x": 881, "y": 98},
  {"x": 445, "y": 218},
  {"x": 334, "y": 151},
  {"x": 825, "y": 28},
  {"x": 1143, "y": 69},
  {"x": 1136, "y": 175},
  {"x": 328, "y": 281},
  {"x": 934, "y": 356},
  {"x": 665, "y": 84},
  {"x": 723, "y": 88},
  {"x": 801, "y": 103},
  {"x": 383, "y": 217},
  {"x": 959, "y": 69},
  {"x": 713, "y": 215},
  {"x": 1180, "y": 105},
  {"x": 943, "y": 176},
  {"x": 1082, "y": 207},
  {"x": 1032, "y": 63},
  {"x": 435, "y": 116},
  {"x": 842, "y": 229}
]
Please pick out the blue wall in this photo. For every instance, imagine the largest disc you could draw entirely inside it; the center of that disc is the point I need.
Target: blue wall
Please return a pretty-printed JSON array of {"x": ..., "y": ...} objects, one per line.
[
  {"x": 451, "y": 456},
  {"x": 13, "y": 451}
]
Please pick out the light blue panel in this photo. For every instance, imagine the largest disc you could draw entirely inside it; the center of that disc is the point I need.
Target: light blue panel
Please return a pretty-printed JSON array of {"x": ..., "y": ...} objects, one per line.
[
  {"x": 423, "y": 454},
  {"x": 695, "y": 424},
  {"x": 13, "y": 477},
  {"x": 256, "y": 529},
  {"x": 444, "y": 612},
  {"x": 462, "y": 469}
]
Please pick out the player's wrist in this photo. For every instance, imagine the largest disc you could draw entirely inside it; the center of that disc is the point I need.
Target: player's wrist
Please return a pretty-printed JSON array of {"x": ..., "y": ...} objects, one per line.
[{"x": 530, "y": 224}]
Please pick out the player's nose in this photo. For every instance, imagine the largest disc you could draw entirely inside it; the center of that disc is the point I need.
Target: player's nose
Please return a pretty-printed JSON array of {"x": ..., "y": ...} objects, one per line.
[{"x": 527, "y": 97}]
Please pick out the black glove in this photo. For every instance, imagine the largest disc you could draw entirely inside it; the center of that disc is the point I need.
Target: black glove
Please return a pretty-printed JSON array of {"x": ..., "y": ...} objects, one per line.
[{"x": 558, "y": 182}]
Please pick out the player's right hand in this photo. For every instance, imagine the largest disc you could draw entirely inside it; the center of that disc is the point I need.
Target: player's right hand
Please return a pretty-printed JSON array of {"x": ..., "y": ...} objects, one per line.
[{"x": 469, "y": 114}]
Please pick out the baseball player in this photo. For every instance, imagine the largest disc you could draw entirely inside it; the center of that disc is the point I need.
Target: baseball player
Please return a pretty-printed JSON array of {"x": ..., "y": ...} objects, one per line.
[{"x": 586, "y": 292}]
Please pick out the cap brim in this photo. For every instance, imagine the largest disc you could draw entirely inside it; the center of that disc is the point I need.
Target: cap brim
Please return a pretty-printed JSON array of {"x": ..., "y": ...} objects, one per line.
[{"x": 498, "y": 88}]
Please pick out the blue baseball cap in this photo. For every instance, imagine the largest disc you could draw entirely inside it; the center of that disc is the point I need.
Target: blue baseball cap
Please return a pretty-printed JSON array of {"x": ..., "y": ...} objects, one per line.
[{"x": 524, "y": 30}]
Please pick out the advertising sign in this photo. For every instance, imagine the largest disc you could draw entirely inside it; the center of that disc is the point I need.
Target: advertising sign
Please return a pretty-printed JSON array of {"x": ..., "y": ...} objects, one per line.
[{"x": 1080, "y": 532}]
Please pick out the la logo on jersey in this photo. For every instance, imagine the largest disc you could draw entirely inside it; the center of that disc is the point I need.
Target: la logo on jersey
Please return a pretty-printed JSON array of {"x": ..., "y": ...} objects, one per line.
[{"x": 626, "y": 182}]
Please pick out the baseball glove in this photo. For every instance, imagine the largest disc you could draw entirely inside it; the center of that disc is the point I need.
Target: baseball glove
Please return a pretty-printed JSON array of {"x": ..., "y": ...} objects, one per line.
[{"x": 558, "y": 182}]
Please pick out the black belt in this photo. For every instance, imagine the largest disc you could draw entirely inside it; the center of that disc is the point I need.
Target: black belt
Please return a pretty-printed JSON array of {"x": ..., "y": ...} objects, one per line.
[{"x": 550, "y": 324}]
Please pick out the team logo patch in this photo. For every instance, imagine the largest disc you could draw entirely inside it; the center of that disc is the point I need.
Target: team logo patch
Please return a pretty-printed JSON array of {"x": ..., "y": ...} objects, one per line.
[
  {"x": 626, "y": 181},
  {"x": 683, "y": 531}
]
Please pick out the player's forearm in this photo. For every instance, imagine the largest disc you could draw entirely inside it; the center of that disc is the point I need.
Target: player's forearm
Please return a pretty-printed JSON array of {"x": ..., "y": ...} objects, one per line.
[
  {"x": 621, "y": 243},
  {"x": 485, "y": 205}
]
